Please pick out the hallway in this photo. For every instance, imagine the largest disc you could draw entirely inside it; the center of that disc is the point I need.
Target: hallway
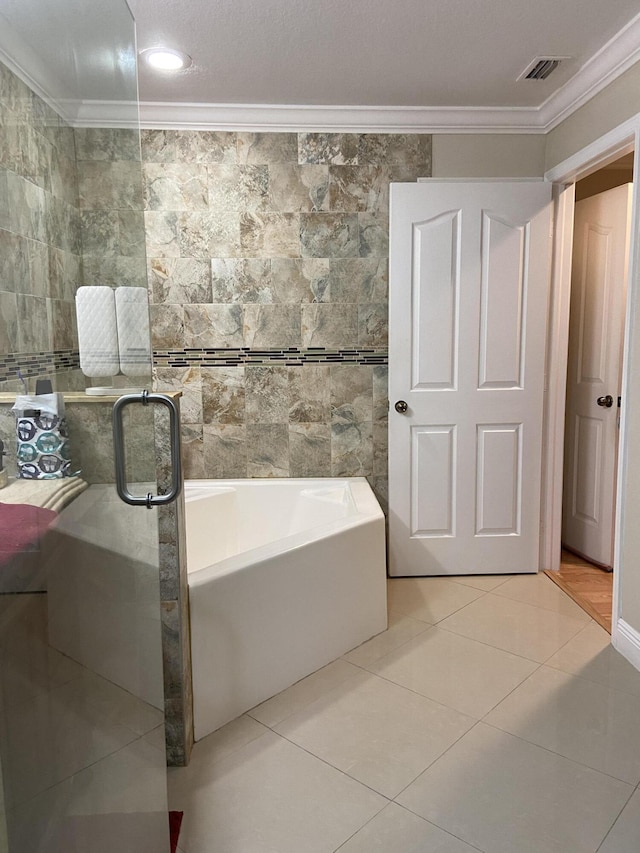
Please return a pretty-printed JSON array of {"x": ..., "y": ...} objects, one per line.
[{"x": 492, "y": 716}]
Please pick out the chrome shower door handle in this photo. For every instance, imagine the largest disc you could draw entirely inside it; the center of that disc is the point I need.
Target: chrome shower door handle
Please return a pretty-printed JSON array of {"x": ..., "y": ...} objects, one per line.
[{"x": 144, "y": 399}]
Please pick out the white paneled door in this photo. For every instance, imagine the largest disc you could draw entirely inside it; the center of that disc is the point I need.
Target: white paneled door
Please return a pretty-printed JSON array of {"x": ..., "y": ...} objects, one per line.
[
  {"x": 469, "y": 282},
  {"x": 596, "y": 330}
]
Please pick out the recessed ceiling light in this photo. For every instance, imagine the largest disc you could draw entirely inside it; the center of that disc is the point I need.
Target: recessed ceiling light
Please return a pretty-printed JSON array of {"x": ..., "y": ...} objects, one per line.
[{"x": 165, "y": 58}]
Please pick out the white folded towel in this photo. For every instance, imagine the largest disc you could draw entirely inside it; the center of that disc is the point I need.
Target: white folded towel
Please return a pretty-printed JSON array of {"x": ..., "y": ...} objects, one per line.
[
  {"x": 132, "y": 312},
  {"x": 97, "y": 331}
]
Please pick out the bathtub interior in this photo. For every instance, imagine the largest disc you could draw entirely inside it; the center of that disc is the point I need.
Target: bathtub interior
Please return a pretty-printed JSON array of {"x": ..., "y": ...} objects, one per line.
[{"x": 226, "y": 520}]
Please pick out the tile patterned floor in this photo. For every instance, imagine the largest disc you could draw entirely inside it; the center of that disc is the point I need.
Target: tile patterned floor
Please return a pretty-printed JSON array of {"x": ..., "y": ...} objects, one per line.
[{"x": 493, "y": 715}]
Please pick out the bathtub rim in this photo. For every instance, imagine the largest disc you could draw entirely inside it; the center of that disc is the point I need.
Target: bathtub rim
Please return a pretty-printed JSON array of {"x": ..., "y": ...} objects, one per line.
[{"x": 367, "y": 510}]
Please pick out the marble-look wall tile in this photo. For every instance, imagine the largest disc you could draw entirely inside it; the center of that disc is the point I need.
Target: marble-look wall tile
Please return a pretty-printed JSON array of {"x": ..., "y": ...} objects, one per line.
[
  {"x": 404, "y": 149},
  {"x": 234, "y": 190},
  {"x": 8, "y": 323},
  {"x": 295, "y": 188},
  {"x": 373, "y": 235},
  {"x": 61, "y": 319},
  {"x": 109, "y": 185},
  {"x": 175, "y": 186},
  {"x": 241, "y": 280},
  {"x": 38, "y": 269},
  {"x": 267, "y": 450},
  {"x": 272, "y": 326},
  {"x": 34, "y": 334},
  {"x": 267, "y": 148},
  {"x": 309, "y": 449},
  {"x": 223, "y": 395},
  {"x": 161, "y": 229},
  {"x": 328, "y": 148},
  {"x": 193, "y": 451},
  {"x": 266, "y": 395},
  {"x": 310, "y": 394},
  {"x": 358, "y": 280},
  {"x": 188, "y": 380},
  {"x": 351, "y": 449},
  {"x": 205, "y": 235},
  {"x": 64, "y": 274},
  {"x": 208, "y": 146},
  {"x": 180, "y": 280},
  {"x": 225, "y": 451},
  {"x": 359, "y": 188},
  {"x": 373, "y": 324},
  {"x": 107, "y": 143},
  {"x": 14, "y": 263},
  {"x": 329, "y": 325},
  {"x": 351, "y": 393},
  {"x": 275, "y": 235},
  {"x": 380, "y": 448},
  {"x": 117, "y": 271},
  {"x": 213, "y": 326},
  {"x": 299, "y": 280},
  {"x": 167, "y": 326},
  {"x": 380, "y": 393},
  {"x": 329, "y": 235}
]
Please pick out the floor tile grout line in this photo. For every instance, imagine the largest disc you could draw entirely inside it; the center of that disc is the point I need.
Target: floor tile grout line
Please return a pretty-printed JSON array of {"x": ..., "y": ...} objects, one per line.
[
  {"x": 497, "y": 648},
  {"x": 404, "y": 808},
  {"x": 391, "y": 651},
  {"x": 608, "y": 832},
  {"x": 26, "y": 802},
  {"x": 542, "y": 607},
  {"x": 482, "y": 594},
  {"x": 353, "y": 834},
  {"x": 177, "y": 770},
  {"x": 338, "y": 769},
  {"x": 457, "y": 740},
  {"x": 539, "y": 607},
  {"x": 496, "y": 728},
  {"x": 298, "y": 710}
]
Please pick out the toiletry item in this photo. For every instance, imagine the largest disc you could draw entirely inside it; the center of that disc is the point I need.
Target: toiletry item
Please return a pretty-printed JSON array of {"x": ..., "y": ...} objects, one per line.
[
  {"x": 42, "y": 438},
  {"x": 4, "y": 477}
]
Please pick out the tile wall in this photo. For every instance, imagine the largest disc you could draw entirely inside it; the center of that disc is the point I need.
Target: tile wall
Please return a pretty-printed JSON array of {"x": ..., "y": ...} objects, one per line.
[
  {"x": 268, "y": 276},
  {"x": 40, "y": 244}
]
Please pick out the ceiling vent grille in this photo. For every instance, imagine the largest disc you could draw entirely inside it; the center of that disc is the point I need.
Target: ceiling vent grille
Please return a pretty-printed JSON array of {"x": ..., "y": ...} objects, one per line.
[{"x": 541, "y": 67}]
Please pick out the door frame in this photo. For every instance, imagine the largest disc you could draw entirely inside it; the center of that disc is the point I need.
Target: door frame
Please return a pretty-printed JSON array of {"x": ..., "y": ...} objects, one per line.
[{"x": 617, "y": 142}]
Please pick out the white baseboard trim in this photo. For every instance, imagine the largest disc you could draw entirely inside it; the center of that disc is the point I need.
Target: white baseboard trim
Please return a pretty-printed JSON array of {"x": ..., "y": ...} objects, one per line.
[{"x": 626, "y": 640}]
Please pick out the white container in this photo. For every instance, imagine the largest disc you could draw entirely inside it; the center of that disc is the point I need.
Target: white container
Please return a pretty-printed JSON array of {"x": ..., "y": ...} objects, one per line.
[{"x": 284, "y": 577}]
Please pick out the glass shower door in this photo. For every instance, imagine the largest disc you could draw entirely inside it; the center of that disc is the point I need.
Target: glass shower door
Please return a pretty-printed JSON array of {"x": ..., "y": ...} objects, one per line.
[{"x": 82, "y": 747}]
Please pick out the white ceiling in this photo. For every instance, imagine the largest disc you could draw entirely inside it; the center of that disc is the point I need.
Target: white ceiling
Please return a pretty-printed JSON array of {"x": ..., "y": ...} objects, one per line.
[{"x": 409, "y": 53}]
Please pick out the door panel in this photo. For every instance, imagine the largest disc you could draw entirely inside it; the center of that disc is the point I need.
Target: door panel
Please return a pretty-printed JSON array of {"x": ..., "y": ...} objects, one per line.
[
  {"x": 469, "y": 269},
  {"x": 596, "y": 327},
  {"x": 433, "y": 460},
  {"x": 502, "y": 301},
  {"x": 498, "y": 473},
  {"x": 436, "y": 288}
]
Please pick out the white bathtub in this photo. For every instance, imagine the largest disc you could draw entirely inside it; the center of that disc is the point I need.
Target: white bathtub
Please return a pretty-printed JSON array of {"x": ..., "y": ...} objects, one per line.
[{"x": 284, "y": 577}]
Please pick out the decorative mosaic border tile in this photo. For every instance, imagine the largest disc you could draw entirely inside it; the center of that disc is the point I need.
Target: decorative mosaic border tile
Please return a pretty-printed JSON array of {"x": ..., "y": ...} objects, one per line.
[
  {"x": 37, "y": 363},
  {"x": 288, "y": 356}
]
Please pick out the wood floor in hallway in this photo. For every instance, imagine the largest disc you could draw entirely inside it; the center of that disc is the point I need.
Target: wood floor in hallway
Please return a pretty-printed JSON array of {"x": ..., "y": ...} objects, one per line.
[{"x": 589, "y": 586}]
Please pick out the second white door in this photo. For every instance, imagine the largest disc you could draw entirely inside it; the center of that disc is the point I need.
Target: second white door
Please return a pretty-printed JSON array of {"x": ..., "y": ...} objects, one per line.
[{"x": 596, "y": 330}]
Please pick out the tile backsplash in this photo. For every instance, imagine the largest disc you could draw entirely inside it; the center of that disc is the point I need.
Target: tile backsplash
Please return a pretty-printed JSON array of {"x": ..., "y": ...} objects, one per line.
[{"x": 268, "y": 276}]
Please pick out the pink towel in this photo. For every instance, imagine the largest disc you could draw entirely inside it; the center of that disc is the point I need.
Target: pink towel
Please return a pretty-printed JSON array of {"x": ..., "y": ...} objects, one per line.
[{"x": 22, "y": 527}]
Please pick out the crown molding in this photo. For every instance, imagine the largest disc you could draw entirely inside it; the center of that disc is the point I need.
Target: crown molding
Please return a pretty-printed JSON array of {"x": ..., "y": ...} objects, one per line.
[
  {"x": 123, "y": 114},
  {"x": 611, "y": 61},
  {"x": 346, "y": 119}
]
